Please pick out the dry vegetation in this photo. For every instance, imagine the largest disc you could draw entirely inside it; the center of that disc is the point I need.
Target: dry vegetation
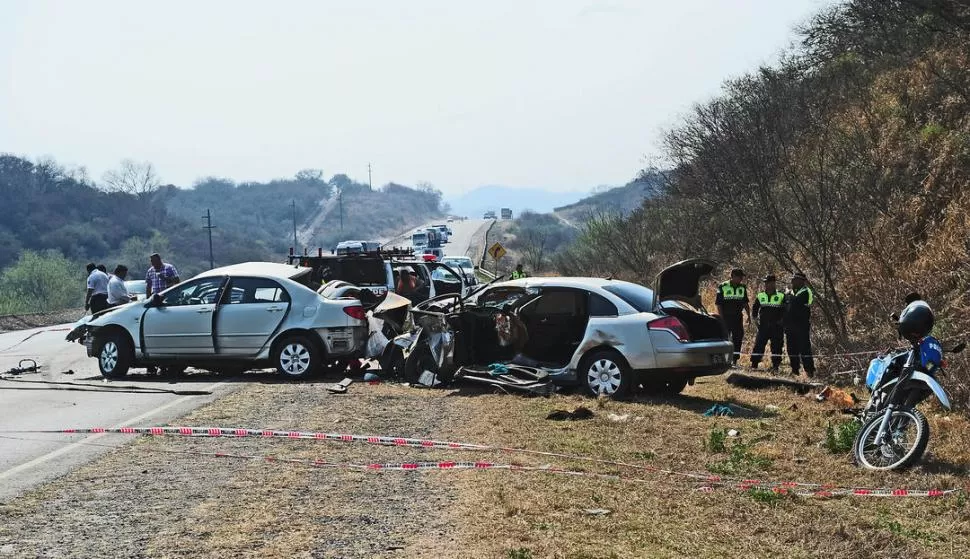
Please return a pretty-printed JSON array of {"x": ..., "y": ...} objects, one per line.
[{"x": 144, "y": 500}]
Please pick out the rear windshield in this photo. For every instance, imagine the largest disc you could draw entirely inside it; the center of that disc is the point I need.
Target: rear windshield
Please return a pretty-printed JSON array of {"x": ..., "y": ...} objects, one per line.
[{"x": 637, "y": 296}]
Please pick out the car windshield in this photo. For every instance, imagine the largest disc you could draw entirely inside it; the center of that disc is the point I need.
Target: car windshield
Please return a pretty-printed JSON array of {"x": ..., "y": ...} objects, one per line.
[{"x": 637, "y": 296}]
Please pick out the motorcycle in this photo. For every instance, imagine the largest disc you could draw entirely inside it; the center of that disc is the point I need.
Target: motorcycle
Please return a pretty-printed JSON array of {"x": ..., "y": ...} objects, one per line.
[{"x": 894, "y": 434}]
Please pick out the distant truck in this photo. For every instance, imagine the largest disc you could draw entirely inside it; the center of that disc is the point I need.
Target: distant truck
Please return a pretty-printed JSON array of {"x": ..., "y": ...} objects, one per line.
[
  {"x": 506, "y": 213},
  {"x": 489, "y": 215}
]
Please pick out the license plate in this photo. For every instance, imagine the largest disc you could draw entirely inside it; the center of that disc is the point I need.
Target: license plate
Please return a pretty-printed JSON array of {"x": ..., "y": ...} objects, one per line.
[{"x": 718, "y": 359}]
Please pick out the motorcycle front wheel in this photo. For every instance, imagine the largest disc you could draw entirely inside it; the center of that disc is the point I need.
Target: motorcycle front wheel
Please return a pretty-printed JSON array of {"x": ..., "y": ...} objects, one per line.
[{"x": 903, "y": 445}]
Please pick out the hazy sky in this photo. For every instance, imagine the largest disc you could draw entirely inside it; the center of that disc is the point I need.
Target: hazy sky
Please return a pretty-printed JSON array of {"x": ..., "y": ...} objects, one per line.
[{"x": 560, "y": 94}]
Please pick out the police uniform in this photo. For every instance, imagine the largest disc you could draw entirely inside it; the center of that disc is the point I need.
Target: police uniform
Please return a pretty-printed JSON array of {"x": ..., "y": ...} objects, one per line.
[
  {"x": 798, "y": 322},
  {"x": 733, "y": 299},
  {"x": 769, "y": 312},
  {"x": 519, "y": 275}
]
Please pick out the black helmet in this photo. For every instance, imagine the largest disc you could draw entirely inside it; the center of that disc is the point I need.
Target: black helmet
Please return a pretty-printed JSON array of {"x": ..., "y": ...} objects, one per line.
[{"x": 916, "y": 321}]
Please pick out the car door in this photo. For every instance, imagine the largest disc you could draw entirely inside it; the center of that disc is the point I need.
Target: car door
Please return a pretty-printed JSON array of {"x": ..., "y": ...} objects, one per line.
[
  {"x": 251, "y": 311},
  {"x": 556, "y": 321},
  {"x": 182, "y": 323}
]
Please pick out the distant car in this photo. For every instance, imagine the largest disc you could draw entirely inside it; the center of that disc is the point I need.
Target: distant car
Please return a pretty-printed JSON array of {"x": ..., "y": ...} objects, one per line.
[
  {"x": 137, "y": 288},
  {"x": 489, "y": 215},
  {"x": 451, "y": 219},
  {"x": 435, "y": 254},
  {"x": 229, "y": 319},
  {"x": 463, "y": 265}
]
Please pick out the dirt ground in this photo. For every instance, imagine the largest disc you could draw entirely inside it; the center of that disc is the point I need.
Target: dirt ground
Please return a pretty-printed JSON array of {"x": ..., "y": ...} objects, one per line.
[
  {"x": 10, "y": 322},
  {"x": 171, "y": 497}
]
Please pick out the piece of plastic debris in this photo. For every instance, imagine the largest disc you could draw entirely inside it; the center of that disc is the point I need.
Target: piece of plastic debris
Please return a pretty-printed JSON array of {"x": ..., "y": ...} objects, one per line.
[
  {"x": 371, "y": 377},
  {"x": 719, "y": 410},
  {"x": 598, "y": 512},
  {"x": 496, "y": 369},
  {"x": 772, "y": 407},
  {"x": 428, "y": 378},
  {"x": 733, "y": 433},
  {"x": 618, "y": 418}
]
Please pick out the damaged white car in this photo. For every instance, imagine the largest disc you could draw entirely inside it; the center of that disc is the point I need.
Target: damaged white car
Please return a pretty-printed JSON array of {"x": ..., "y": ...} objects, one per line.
[
  {"x": 605, "y": 335},
  {"x": 228, "y": 319}
]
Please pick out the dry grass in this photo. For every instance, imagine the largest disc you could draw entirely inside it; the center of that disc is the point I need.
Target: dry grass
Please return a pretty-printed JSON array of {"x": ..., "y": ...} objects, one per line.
[{"x": 542, "y": 516}]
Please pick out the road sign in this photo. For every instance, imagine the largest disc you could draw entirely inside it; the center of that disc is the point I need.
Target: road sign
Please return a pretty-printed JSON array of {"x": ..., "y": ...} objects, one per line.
[{"x": 497, "y": 251}]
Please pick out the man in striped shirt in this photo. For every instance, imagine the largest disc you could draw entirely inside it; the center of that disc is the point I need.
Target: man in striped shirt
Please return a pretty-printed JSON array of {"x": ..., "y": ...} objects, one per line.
[{"x": 160, "y": 276}]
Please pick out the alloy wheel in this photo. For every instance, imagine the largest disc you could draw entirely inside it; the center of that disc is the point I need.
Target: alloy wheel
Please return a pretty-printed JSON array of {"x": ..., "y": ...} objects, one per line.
[
  {"x": 109, "y": 356},
  {"x": 295, "y": 359}
]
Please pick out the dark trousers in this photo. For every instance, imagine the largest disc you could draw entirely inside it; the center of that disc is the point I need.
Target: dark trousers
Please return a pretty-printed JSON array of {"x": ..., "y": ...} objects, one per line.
[
  {"x": 99, "y": 302},
  {"x": 735, "y": 326},
  {"x": 799, "y": 342},
  {"x": 768, "y": 333}
]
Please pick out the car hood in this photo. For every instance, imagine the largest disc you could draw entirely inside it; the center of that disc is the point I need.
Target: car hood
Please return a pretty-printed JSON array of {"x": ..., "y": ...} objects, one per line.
[
  {"x": 103, "y": 318},
  {"x": 682, "y": 280}
]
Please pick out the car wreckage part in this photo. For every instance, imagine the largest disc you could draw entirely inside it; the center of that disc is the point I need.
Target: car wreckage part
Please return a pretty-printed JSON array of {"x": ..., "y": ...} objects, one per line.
[{"x": 711, "y": 481}]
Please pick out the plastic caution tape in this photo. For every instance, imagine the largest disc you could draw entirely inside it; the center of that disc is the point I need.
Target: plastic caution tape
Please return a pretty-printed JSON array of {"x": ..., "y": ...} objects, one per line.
[{"x": 710, "y": 481}]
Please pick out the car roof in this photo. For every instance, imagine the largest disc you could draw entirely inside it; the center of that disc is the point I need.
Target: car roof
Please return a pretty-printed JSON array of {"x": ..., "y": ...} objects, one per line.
[{"x": 263, "y": 269}]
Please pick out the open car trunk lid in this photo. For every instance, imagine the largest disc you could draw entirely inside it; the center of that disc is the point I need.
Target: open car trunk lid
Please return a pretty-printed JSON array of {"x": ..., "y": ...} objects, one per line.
[{"x": 681, "y": 281}]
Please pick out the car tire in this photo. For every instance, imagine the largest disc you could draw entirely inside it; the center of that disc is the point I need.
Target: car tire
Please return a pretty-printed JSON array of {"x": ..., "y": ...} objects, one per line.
[
  {"x": 605, "y": 372},
  {"x": 115, "y": 355},
  {"x": 296, "y": 357},
  {"x": 664, "y": 387}
]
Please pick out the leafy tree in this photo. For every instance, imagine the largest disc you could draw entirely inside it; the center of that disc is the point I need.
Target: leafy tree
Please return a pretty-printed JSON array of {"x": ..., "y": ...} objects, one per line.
[{"x": 41, "y": 281}]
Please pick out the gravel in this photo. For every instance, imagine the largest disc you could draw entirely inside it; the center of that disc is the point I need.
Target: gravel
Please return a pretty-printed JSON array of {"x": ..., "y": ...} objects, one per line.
[{"x": 172, "y": 497}]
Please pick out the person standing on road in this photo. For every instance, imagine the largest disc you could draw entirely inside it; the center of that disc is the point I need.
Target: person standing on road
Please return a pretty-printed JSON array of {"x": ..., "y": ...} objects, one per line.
[
  {"x": 798, "y": 321},
  {"x": 96, "y": 298},
  {"x": 519, "y": 273},
  {"x": 769, "y": 313},
  {"x": 732, "y": 301},
  {"x": 117, "y": 291},
  {"x": 160, "y": 276}
]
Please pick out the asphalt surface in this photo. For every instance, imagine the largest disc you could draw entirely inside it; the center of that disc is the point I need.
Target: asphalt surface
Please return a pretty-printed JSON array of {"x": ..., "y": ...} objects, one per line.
[
  {"x": 27, "y": 459},
  {"x": 464, "y": 234}
]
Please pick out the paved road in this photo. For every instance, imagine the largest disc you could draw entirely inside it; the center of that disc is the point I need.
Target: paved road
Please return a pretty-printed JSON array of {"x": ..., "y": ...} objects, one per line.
[
  {"x": 465, "y": 234},
  {"x": 36, "y": 406}
]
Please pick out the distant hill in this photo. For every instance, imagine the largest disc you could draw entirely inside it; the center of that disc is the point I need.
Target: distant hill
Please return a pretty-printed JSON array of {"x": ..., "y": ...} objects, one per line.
[
  {"x": 476, "y": 202},
  {"x": 621, "y": 200}
]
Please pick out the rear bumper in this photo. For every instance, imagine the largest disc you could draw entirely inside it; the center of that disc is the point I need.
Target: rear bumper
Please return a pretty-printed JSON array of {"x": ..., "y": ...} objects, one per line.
[
  {"x": 714, "y": 356},
  {"x": 344, "y": 342}
]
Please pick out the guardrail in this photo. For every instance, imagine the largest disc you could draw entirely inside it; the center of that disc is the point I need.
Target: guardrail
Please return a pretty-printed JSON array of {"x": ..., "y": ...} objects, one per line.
[{"x": 489, "y": 276}]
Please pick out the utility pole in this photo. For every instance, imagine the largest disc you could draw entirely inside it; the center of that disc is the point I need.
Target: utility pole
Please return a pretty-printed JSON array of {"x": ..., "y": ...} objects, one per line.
[
  {"x": 293, "y": 203},
  {"x": 209, "y": 227},
  {"x": 340, "y": 200},
  {"x": 370, "y": 183}
]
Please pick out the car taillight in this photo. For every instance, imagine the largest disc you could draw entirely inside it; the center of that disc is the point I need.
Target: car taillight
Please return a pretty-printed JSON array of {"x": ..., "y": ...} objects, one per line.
[
  {"x": 670, "y": 324},
  {"x": 356, "y": 311}
]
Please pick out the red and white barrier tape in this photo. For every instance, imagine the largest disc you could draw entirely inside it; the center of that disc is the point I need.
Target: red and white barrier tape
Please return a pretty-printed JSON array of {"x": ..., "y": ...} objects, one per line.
[{"x": 710, "y": 480}]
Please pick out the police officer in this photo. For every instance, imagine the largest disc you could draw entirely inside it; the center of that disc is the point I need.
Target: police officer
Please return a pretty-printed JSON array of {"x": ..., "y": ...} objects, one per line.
[
  {"x": 798, "y": 320},
  {"x": 731, "y": 301},
  {"x": 769, "y": 312},
  {"x": 519, "y": 273}
]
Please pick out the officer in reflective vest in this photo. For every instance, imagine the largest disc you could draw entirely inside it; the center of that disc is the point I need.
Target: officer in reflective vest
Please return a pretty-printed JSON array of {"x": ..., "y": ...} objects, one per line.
[
  {"x": 731, "y": 301},
  {"x": 798, "y": 321},
  {"x": 769, "y": 312},
  {"x": 519, "y": 273}
]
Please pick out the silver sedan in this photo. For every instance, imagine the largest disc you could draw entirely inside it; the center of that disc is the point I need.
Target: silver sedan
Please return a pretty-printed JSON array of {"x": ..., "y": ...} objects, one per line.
[{"x": 228, "y": 319}]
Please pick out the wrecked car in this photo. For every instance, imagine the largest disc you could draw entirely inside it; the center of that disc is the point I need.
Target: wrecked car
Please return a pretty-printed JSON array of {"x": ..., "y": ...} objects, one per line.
[
  {"x": 604, "y": 335},
  {"x": 228, "y": 319}
]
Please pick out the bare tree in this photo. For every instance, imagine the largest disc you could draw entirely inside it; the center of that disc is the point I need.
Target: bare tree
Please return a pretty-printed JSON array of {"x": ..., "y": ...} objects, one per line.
[{"x": 137, "y": 179}]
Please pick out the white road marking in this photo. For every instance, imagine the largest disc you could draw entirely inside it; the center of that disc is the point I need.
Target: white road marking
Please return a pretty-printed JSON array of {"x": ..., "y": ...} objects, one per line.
[{"x": 89, "y": 438}]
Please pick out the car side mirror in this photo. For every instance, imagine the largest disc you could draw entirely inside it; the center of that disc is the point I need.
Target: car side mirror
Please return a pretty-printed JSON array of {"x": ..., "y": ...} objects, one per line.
[{"x": 153, "y": 302}]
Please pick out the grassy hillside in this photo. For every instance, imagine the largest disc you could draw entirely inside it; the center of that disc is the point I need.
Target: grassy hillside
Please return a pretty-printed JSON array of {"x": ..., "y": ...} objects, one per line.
[{"x": 620, "y": 200}]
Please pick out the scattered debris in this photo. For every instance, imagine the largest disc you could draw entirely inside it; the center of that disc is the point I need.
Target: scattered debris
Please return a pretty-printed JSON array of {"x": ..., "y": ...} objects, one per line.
[
  {"x": 30, "y": 367},
  {"x": 579, "y": 413},
  {"x": 772, "y": 408},
  {"x": 372, "y": 378},
  {"x": 618, "y": 418},
  {"x": 719, "y": 410},
  {"x": 840, "y": 398},
  {"x": 733, "y": 433},
  {"x": 429, "y": 379},
  {"x": 753, "y": 382},
  {"x": 597, "y": 512},
  {"x": 339, "y": 387}
]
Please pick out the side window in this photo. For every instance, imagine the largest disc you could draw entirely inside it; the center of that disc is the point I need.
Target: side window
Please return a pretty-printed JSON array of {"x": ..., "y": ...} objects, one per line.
[
  {"x": 256, "y": 290},
  {"x": 199, "y": 292},
  {"x": 558, "y": 303},
  {"x": 601, "y": 306}
]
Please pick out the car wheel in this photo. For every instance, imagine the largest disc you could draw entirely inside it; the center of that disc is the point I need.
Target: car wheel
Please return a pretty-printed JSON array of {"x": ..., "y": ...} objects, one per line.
[
  {"x": 665, "y": 387},
  {"x": 606, "y": 372},
  {"x": 114, "y": 356},
  {"x": 296, "y": 357}
]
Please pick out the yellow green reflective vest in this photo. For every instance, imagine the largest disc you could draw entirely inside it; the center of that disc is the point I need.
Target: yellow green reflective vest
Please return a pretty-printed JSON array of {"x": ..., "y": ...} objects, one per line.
[
  {"x": 519, "y": 275},
  {"x": 777, "y": 299},
  {"x": 731, "y": 293}
]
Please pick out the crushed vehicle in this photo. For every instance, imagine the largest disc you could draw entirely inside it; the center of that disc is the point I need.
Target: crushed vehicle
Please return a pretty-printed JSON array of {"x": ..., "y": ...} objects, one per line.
[
  {"x": 604, "y": 335},
  {"x": 229, "y": 319}
]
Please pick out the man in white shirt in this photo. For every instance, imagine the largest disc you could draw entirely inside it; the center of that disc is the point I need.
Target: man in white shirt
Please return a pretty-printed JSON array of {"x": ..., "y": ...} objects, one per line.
[
  {"x": 97, "y": 293},
  {"x": 117, "y": 292}
]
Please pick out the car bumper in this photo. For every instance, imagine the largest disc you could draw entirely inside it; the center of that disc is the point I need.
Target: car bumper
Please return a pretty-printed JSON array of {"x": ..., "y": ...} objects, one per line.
[
  {"x": 344, "y": 342},
  {"x": 714, "y": 356}
]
